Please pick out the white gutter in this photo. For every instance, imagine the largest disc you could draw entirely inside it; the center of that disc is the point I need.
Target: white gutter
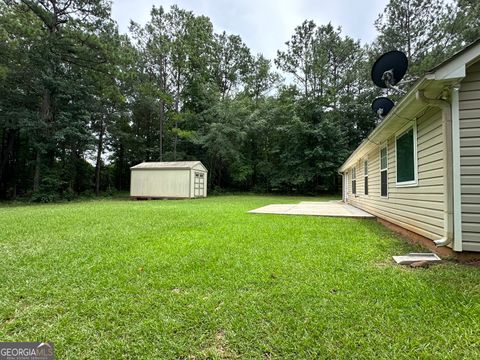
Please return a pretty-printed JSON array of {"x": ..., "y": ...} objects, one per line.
[
  {"x": 457, "y": 190},
  {"x": 448, "y": 159}
]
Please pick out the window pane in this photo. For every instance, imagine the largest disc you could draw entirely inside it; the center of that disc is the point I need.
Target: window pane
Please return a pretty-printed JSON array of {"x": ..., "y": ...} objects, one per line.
[
  {"x": 384, "y": 185},
  {"x": 405, "y": 157},
  {"x": 383, "y": 157},
  {"x": 366, "y": 185},
  {"x": 366, "y": 167}
]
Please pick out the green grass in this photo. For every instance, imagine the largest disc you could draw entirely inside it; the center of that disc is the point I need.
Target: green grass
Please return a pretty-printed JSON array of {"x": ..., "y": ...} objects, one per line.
[{"x": 203, "y": 279}]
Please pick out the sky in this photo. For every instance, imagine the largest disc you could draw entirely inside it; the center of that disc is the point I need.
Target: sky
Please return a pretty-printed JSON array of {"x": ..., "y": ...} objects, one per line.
[{"x": 264, "y": 25}]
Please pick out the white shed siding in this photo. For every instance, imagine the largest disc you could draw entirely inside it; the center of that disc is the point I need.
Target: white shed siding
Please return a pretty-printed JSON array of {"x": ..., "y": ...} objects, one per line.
[
  {"x": 470, "y": 157},
  {"x": 160, "y": 183},
  {"x": 417, "y": 208}
]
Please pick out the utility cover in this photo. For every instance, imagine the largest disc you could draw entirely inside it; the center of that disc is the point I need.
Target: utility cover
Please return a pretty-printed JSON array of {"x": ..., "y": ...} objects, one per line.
[{"x": 415, "y": 257}]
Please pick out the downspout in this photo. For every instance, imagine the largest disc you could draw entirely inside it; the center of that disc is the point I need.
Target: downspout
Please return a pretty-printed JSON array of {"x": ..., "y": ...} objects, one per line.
[
  {"x": 457, "y": 190},
  {"x": 447, "y": 167},
  {"x": 343, "y": 185}
]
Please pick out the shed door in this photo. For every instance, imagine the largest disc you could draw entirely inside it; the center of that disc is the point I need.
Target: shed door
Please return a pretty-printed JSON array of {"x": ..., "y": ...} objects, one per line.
[{"x": 199, "y": 185}]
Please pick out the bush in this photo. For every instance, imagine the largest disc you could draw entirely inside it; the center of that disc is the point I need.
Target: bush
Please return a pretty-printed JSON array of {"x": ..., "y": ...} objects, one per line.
[
  {"x": 68, "y": 194},
  {"x": 43, "y": 197},
  {"x": 88, "y": 194},
  {"x": 111, "y": 191},
  {"x": 48, "y": 191}
]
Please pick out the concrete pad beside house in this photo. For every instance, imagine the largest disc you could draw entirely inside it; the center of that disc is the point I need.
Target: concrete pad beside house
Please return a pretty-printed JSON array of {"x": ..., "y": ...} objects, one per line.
[{"x": 313, "y": 208}]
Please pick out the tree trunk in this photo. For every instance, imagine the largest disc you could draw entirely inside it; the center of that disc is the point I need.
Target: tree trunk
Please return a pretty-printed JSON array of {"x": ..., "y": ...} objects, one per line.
[
  {"x": 162, "y": 115},
  {"x": 177, "y": 108},
  {"x": 163, "y": 82},
  {"x": 98, "y": 165},
  {"x": 46, "y": 115},
  {"x": 7, "y": 153},
  {"x": 2, "y": 157},
  {"x": 120, "y": 168},
  {"x": 14, "y": 167},
  {"x": 175, "y": 140},
  {"x": 36, "y": 176}
]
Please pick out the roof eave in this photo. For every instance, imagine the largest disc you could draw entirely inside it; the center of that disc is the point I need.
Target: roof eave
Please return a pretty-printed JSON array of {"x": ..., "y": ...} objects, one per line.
[
  {"x": 189, "y": 167},
  {"x": 404, "y": 102},
  {"x": 161, "y": 168}
]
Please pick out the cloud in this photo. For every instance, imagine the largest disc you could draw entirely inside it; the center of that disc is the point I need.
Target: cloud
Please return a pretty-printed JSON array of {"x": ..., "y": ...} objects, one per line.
[{"x": 264, "y": 25}]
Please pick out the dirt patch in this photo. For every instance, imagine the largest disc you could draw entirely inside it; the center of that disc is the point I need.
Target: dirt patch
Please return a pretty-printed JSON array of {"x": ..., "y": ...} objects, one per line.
[
  {"x": 218, "y": 348},
  {"x": 466, "y": 257},
  {"x": 473, "y": 263}
]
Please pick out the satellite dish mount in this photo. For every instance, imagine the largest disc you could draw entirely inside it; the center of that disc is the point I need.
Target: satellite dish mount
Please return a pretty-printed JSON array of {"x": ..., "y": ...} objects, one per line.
[
  {"x": 389, "y": 80},
  {"x": 382, "y": 106},
  {"x": 389, "y": 70}
]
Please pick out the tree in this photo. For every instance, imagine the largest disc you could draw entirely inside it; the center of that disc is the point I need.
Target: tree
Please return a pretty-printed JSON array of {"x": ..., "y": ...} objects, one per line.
[
  {"x": 415, "y": 27},
  {"x": 321, "y": 60},
  {"x": 19, "y": 97},
  {"x": 297, "y": 60},
  {"x": 230, "y": 63},
  {"x": 260, "y": 79},
  {"x": 461, "y": 24},
  {"x": 67, "y": 42},
  {"x": 223, "y": 141},
  {"x": 80, "y": 103}
]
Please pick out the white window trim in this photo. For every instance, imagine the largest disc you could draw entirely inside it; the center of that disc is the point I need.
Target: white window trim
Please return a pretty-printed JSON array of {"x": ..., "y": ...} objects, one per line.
[
  {"x": 383, "y": 146},
  {"x": 411, "y": 183}
]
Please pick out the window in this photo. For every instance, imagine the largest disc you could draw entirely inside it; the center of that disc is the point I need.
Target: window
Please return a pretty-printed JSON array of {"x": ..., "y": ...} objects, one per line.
[
  {"x": 406, "y": 148},
  {"x": 365, "y": 176},
  {"x": 384, "y": 171},
  {"x": 354, "y": 181}
]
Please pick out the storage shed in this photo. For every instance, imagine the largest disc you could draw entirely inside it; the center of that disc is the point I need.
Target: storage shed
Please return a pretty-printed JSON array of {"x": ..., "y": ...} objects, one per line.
[{"x": 175, "y": 180}]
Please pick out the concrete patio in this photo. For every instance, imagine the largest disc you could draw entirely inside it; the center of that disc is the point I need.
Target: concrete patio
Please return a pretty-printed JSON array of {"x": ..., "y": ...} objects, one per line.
[{"x": 313, "y": 208}]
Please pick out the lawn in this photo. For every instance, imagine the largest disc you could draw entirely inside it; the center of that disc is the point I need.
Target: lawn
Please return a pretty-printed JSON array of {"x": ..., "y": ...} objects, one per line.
[{"x": 200, "y": 279}]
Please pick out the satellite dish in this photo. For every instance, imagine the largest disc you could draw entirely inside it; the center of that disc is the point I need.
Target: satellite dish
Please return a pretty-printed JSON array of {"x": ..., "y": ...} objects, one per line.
[
  {"x": 389, "y": 69},
  {"x": 382, "y": 106}
]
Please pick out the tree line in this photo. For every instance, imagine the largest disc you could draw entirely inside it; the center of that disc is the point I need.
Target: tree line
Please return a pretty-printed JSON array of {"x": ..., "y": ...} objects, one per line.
[{"x": 80, "y": 102}]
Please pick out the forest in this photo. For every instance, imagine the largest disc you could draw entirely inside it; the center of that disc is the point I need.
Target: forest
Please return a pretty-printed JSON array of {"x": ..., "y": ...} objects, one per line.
[{"x": 80, "y": 102}]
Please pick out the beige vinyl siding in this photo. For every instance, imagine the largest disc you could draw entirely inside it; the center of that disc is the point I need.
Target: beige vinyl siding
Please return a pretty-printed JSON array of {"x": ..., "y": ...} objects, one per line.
[
  {"x": 470, "y": 157},
  {"x": 417, "y": 208}
]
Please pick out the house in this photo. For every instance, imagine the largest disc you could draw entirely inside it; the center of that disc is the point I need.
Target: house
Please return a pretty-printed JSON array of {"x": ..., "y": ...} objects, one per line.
[
  {"x": 178, "y": 179},
  {"x": 420, "y": 167}
]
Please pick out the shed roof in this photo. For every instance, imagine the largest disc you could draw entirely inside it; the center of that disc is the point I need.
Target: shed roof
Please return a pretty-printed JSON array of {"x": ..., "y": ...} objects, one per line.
[{"x": 168, "y": 165}]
